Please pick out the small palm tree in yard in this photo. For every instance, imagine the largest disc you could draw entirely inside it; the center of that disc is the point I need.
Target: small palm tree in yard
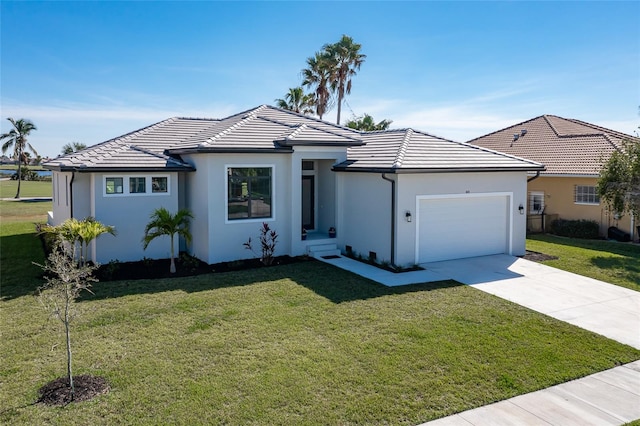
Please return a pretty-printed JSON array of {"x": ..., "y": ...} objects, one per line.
[
  {"x": 80, "y": 233},
  {"x": 164, "y": 223}
]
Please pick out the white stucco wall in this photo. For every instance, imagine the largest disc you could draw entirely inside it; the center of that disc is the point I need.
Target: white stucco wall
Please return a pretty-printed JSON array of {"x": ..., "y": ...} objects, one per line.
[
  {"x": 129, "y": 214},
  {"x": 366, "y": 214},
  {"x": 61, "y": 197},
  {"x": 412, "y": 185},
  {"x": 216, "y": 239}
]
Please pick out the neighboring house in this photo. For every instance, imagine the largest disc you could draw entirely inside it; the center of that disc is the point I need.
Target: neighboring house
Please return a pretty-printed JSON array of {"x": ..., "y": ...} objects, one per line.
[
  {"x": 402, "y": 196},
  {"x": 573, "y": 153}
]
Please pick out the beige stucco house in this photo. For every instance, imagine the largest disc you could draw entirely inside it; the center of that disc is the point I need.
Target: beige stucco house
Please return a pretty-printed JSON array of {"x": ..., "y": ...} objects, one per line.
[{"x": 573, "y": 152}]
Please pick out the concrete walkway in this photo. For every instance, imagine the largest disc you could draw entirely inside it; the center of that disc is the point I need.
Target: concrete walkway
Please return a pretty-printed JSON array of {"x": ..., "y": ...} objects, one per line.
[{"x": 610, "y": 397}]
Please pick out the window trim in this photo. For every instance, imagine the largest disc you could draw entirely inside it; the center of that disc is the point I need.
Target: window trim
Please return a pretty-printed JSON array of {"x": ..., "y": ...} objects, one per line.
[
  {"x": 272, "y": 218},
  {"x": 126, "y": 185},
  {"x": 530, "y": 202},
  {"x": 585, "y": 203}
]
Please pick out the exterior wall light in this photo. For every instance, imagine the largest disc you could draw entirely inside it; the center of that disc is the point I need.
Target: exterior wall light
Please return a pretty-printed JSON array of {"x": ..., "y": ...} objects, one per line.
[
  {"x": 407, "y": 216},
  {"x": 521, "y": 209}
]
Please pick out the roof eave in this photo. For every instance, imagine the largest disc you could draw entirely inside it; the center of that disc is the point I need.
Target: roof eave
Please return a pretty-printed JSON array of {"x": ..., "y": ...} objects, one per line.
[
  {"x": 289, "y": 142},
  {"x": 84, "y": 169},
  {"x": 435, "y": 170}
]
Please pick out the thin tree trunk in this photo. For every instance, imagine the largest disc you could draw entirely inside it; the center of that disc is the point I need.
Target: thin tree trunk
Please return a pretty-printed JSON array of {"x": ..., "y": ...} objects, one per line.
[
  {"x": 19, "y": 177},
  {"x": 172, "y": 268},
  {"x": 68, "y": 332},
  {"x": 339, "y": 107}
]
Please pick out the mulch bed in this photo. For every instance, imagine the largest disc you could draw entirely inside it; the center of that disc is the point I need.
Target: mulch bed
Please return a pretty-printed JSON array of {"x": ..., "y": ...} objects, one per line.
[
  {"x": 58, "y": 391},
  {"x": 186, "y": 266},
  {"x": 534, "y": 256}
]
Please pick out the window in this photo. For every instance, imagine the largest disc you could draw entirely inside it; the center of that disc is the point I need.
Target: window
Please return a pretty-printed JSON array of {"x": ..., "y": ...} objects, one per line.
[
  {"x": 159, "y": 184},
  {"x": 536, "y": 202},
  {"x": 137, "y": 185},
  {"x": 114, "y": 185},
  {"x": 249, "y": 192},
  {"x": 584, "y": 194}
]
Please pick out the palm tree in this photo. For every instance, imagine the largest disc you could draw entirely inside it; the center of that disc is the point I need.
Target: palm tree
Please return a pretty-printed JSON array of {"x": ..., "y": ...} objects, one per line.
[
  {"x": 72, "y": 147},
  {"x": 81, "y": 232},
  {"x": 17, "y": 137},
  {"x": 297, "y": 101},
  {"x": 367, "y": 123},
  {"x": 317, "y": 76},
  {"x": 346, "y": 59},
  {"x": 164, "y": 223}
]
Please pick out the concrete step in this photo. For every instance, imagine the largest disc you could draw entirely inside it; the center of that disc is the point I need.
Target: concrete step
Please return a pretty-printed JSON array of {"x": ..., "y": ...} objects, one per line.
[
  {"x": 323, "y": 253},
  {"x": 323, "y": 250}
]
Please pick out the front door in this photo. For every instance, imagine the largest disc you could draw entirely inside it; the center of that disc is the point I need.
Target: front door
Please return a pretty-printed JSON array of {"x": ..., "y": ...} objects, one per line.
[{"x": 308, "y": 202}]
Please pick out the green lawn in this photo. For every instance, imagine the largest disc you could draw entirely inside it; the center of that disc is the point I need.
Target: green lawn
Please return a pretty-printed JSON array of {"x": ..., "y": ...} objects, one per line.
[
  {"x": 612, "y": 262},
  {"x": 298, "y": 344},
  {"x": 28, "y": 188}
]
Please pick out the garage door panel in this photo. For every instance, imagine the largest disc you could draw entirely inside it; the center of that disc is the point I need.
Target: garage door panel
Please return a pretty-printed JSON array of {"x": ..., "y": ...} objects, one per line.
[{"x": 452, "y": 228}]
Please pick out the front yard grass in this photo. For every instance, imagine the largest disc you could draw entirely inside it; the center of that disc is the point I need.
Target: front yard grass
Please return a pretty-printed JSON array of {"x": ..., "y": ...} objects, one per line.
[
  {"x": 612, "y": 262},
  {"x": 298, "y": 344}
]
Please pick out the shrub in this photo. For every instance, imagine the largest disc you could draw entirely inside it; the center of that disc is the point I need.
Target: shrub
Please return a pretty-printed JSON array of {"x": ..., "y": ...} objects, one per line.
[{"x": 576, "y": 228}]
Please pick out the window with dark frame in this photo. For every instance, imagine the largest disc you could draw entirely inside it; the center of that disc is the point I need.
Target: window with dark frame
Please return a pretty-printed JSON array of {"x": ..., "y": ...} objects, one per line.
[
  {"x": 159, "y": 184},
  {"x": 137, "y": 185},
  {"x": 114, "y": 185},
  {"x": 249, "y": 192},
  {"x": 585, "y": 194}
]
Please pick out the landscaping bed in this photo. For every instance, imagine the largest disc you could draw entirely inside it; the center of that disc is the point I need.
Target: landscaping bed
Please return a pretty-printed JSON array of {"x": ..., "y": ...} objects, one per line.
[{"x": 186, "y": 266}]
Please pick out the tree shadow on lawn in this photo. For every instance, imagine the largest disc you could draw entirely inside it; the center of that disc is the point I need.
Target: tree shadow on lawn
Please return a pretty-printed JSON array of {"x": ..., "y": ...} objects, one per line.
[
  {"x": 625, "y": 267},
  {"x": 18, "y": 275},
  {"x": 325, "y": 280}
]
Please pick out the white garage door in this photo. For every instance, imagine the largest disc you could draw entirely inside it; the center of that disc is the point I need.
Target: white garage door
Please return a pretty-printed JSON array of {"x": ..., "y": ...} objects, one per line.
[{"x": 453, "y": 228}]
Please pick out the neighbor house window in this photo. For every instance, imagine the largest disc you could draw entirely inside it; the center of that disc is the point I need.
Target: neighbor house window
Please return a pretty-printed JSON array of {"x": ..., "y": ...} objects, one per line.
[
  {"x": 249, "y": 192},
  {"x": 137, "y": 185},
  {"x": 114, "y": 185},
  {"x": 536, "y": 202},
  {"x": 159, "y": 184},
  {"x": 585, "y": 194}
]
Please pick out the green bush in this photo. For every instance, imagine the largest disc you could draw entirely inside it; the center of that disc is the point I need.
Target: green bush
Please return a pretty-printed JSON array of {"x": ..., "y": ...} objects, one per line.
[{"x": 588, "y": 229}]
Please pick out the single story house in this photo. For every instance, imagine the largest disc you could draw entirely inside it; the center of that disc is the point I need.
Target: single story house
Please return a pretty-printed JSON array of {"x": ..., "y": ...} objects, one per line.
[
  {"x": 573, "y": 153},
  {"x": 403, "y": 196}
]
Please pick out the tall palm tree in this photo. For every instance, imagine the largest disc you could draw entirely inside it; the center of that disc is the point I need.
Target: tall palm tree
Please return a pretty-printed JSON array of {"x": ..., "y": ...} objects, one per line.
[
  {"x": 164, "y": 223},
  {"x": 346, "y": 59},
  {"x": 17, "y": 137},
  {"x": 317, "y": 76},
  {"x": 297, "y": 101}
]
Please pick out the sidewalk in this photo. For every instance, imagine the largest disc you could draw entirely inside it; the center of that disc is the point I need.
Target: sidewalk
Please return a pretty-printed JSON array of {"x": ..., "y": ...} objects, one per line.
[{"x": 611, "y": 397}]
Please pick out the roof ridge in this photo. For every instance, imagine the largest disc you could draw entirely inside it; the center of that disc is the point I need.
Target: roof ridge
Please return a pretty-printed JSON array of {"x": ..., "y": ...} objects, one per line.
[
  {"x": 248, "y": 117},
  {"x": 156, "y": 154},
  {"x": 298, "y": 114},
  {"x": 402, "y": 151},
  {"x": 546, "y": 119},
  {"x": 505, "y": 128},
  {"x": 297, "y": 129}
]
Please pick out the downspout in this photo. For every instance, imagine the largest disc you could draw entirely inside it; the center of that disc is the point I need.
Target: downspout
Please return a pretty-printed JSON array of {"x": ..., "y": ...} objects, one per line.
[
  {"x": 393, "y": 218},
  {"x": 73, "y": 175},
  {"x": 534, "y": 177}
]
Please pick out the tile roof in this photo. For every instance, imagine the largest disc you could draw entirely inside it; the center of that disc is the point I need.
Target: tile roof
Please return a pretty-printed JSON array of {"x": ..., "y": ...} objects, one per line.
[
  {"x": 564, "y": 146},
  {"x": 408, "y": 150},
  {"x": 269, "y": 129}
]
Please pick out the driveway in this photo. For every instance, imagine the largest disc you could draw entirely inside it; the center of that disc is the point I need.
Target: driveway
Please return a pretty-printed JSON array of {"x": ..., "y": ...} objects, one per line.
[{"x": 603, "y": 308}]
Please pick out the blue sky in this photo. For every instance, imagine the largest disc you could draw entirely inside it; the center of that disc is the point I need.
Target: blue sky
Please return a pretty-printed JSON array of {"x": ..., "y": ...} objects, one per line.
[{"x": 90, "y": 71}]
